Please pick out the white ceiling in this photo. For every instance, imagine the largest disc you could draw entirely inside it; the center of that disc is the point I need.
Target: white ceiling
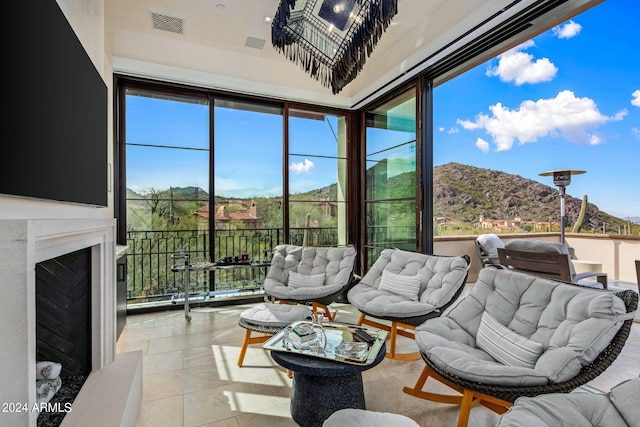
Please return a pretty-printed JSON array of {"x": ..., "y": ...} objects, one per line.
[{"x": 211, "y": 51}]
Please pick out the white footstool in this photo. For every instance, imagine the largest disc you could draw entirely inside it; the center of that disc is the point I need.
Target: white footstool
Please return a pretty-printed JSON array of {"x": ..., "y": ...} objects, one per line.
[
  {"x": 364, "y": 418},
  {"x": 268, "y": 319}
]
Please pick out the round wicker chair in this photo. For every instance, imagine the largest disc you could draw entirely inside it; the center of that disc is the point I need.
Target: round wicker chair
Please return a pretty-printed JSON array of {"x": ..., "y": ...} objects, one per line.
[
  {"x": 334, "y": 264},
  {"x": 443, "y": 280},
  {"x": 501, "y": 397}
]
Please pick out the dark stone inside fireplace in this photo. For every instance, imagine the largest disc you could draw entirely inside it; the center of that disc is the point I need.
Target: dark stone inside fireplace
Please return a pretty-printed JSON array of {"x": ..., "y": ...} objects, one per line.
[{"x": 63, "y": 323}]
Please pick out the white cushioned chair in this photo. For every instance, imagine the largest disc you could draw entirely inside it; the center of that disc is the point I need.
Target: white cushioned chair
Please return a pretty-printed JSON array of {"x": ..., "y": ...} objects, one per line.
[
  {"x": 516, "y": 334},
  {"x": 618, "y": 408},
  {"x": 407, "y": 288},
  {"x": 310, "y": 275},
  {"x": 487, "y": 246}
]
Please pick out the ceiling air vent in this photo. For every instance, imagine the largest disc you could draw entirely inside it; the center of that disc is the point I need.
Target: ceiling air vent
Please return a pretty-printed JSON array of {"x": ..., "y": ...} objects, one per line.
[
  {"x": 254, "y": 42},
  {"x": 163, "y": 22}
]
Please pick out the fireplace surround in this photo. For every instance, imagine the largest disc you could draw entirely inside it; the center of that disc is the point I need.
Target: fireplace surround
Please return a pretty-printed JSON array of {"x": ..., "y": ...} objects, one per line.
[{"x": 23, "y": 244}]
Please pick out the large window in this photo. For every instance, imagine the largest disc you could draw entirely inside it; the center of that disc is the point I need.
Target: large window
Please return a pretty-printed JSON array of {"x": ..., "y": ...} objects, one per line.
[
  {"x": 167, "y": 180},
  {"x": 390, "y": 176},
  {"x": 317, "y": 171},
  {"x": 550, "y": 103},
  {"x": 248, "y": 188},
  {"x": 226, "y": 180}
]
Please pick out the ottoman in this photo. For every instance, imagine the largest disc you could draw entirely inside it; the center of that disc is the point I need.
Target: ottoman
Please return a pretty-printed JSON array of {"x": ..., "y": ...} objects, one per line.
[
  {"x": 268, "y": 319},
  {"x": 363, "y": 418}
]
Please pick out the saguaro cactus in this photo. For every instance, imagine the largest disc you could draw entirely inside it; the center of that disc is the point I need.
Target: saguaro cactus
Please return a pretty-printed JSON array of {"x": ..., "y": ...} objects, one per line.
[{"x": 583, "y": 211}]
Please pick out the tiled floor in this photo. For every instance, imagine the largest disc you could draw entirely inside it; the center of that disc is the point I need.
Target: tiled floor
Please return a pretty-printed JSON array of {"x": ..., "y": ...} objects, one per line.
[{"x": 191, "y": 377}]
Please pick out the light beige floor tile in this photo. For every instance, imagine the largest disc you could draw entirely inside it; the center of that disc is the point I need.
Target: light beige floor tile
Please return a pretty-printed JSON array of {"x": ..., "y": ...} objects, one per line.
[
  {"x": 228, "y": 422},
  {"x": 181, "y": 342},
  {"x": 255, "y": 420},
  {"x": 163, "y": 385},
  {"x": 156, "y": 364},
  {"x": 232, "y": 400},
  {"x": 198, "y": 356},
  {"x": 162, "y": 413},
  {"x": 123, "y": 347},
  {"x": 203, "y": 377}
]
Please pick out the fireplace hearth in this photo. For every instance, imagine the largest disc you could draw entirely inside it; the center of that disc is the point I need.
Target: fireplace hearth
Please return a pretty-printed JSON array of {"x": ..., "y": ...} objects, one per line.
[{"x": 23, "y": 245}]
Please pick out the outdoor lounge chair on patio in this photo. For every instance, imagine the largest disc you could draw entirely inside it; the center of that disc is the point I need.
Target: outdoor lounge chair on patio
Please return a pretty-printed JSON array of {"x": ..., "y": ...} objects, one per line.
[
  {"x": 528, "y": 255},
  {"x": 487, "y": 246},
  {"x": 407, "y": 288},
  {"x": 516, "y": 335}
]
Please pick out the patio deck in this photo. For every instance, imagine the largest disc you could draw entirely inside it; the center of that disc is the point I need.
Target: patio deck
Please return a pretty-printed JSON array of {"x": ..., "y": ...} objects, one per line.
[{"x": 190, "y": 376}]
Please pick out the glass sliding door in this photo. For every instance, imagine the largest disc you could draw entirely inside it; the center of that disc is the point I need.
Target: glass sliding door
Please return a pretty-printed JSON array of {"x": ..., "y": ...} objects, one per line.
[
  {"x": 167, "y": 180},
  {"x": 390, "y": 176},
  {"x": 248, "y": 187},
  {"x": 226, "y": 179},
  {"x": 317, "y": 178}
]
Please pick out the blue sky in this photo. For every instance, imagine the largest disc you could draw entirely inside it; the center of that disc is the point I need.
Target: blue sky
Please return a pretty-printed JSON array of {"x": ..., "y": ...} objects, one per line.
[{"x": 567, "y": 99}]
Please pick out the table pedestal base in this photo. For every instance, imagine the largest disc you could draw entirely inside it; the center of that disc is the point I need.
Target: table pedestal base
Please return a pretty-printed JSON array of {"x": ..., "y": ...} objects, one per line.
[
  {"x": 321, "y": 387},
  {"x": 314, "y": 398}
]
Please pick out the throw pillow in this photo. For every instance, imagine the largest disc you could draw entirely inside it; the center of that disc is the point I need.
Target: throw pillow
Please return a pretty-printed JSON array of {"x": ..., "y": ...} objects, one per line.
[
  {"x": 297, "y": 280},
  {"x": 505, "y": 345},
  {"x": 406, "y": 286}
]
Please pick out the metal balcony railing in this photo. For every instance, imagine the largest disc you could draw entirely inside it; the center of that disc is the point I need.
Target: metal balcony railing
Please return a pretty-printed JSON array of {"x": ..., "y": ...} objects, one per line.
[{"x": 149, "y": 262}]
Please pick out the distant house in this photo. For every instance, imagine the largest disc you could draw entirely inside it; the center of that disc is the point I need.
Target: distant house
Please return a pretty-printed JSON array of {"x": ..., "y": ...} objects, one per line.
[
  {"x": 444, "y": 222},
  {"x": 230, "y": 215},
  {"x": 513, "y": 225}
]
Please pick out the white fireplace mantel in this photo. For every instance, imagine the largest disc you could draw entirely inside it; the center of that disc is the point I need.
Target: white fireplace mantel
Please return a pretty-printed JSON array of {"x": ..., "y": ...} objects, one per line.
[{"x": 23, "y": 243}]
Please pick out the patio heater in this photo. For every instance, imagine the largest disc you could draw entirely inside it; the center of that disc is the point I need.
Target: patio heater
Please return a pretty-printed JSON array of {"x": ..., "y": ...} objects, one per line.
[{"x": 562, "y": 178}]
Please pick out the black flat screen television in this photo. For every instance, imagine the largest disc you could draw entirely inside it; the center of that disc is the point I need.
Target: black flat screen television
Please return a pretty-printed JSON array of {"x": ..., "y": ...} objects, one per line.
[{"x": 55, "y": 104}]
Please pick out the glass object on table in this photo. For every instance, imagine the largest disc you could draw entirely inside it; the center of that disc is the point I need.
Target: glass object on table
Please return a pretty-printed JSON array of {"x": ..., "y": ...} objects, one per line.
[{"x": 321, "y": 338}]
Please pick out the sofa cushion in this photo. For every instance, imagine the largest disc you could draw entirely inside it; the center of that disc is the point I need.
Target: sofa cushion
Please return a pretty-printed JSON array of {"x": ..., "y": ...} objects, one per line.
[
  {"x": 576, "y": 409},
  {"x": 406, "y": 286},
  {"x": 506, "y": 346},
  {"x": 490, "y": 243},
  {"x": 276, "y": 315},
  {"x": 573, "y": 325},
  {"x": 297, "y": 280},
  {"x": 533, "y": 245},
  {"x": 625, "y": 397},
  {"x": 618, "y": 408},
  {"x": 350, "y": 417}
]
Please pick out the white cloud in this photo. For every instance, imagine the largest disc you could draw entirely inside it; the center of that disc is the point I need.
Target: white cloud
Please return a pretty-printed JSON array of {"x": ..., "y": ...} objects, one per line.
[
  {"x": 520, "y": 68},
  {"x": 482, "y": 145},
  {"x": 568, "y": 30},
  {"x": 453, "y": 130},
  {"x": 564, "y": 116},
  {"x": 302, "y": 167},
  {"x": 441, "y": 129},
  {"x": 636, "y": 132},
  {"x": 636, "y": 98}
]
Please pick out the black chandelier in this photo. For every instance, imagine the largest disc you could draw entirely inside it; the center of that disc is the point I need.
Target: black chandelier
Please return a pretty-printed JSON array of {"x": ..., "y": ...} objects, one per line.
[{"x": 331, "y": 39}]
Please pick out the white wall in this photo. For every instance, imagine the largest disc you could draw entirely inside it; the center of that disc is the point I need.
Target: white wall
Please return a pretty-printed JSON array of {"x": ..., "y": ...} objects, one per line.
[{"x": 87, "y": 18}]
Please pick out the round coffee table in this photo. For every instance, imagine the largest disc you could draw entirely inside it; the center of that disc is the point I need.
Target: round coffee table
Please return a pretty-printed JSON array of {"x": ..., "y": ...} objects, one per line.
[{"x": 321, "y": 386}]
